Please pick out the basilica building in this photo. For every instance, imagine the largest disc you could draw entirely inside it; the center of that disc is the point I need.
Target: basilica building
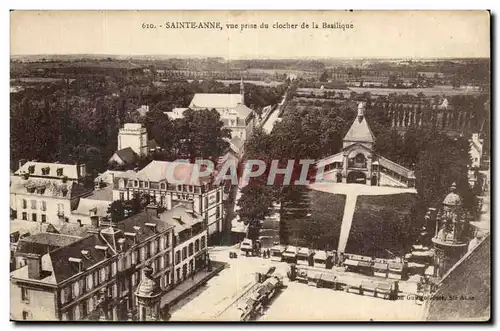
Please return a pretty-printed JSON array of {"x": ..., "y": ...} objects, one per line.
[{"x": 358, "y": 163}]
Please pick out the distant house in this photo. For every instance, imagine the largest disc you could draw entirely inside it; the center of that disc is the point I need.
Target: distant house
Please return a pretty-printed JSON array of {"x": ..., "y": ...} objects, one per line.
[
  {"x": 476, "y": 150},
  {"x": 142, "y": 110},
  {"x": 234, "y": 114},
  {"x": 125, "y": 156}
]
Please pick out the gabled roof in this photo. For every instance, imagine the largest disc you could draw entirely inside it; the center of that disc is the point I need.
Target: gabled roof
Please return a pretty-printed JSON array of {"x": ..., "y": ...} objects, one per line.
[
  {"x": 360, "y": 131},
  {"x": 127, "y": 155},
  {"x": 393, "y": 166},
  {"x": 243, "y": 111},
  {"x": 214, "y": 100}
]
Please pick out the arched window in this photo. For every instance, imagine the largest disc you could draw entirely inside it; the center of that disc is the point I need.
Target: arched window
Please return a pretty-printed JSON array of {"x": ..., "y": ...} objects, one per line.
[
  {"x": 121, "y": 184},
  {"x": 163, "y": 186}
]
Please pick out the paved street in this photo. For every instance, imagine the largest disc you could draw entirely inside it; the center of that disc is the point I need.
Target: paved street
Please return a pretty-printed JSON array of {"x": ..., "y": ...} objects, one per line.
[{"x": 215, "y": 301}]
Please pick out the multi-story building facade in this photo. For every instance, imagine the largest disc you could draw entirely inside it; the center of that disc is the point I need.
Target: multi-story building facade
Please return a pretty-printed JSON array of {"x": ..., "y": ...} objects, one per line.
[
  {"x": 46, "y": 192},
  {"x": 96, "y": 276},
  {"x": 199, "y": 194}
]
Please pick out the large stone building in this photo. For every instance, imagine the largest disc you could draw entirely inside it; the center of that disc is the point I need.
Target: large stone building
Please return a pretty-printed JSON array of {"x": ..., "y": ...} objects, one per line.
[
  {"x": 96, "y": 276},
  {"x": 46, "y": 192},
  {"x": 358, "y": 163},
  {"x": 197, "y": 193},
  {"x": 234, "y": 114}
]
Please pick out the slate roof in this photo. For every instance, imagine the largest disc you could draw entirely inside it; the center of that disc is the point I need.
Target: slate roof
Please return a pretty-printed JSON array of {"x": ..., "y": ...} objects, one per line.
[
  {"x": 360, "y": 132},
  {"x": 63, "y": 268},
  {"x": 53, "y": 187},
  {"x": 69, "y": 170},
  {"x": 42, "y": 243},
  {"x": 215, "y": 100},
  {"x": 127, "y": 155},
  {"x": 85, "y": 205},
  {"x": 243, "y": 111},
  {"x": 30, "y": 227},
  {"x": 180, "y": 218},
  {"x": 469, "y": 277},
  {"x": 102, "y": 194}
]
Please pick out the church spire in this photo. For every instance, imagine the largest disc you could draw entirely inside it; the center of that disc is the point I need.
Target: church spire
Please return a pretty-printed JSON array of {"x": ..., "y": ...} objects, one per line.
[{"x": 242, "y": 91}]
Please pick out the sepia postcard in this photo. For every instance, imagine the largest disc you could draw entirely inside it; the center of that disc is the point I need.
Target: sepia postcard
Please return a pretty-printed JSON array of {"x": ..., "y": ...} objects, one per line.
[{"x": 171, "y": 166}]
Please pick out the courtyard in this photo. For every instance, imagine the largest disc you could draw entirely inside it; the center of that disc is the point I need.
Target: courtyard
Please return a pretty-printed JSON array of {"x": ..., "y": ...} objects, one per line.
[{"x": 217, "y": 300}]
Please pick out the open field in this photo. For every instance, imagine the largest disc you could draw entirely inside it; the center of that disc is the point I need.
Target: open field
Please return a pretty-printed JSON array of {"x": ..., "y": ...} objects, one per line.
[
  {"x": 254, "y": 82},
  {"x": 313, "y": 219},
  {"x": 428, "y": 91},
  {"x": 381, "y": 223}
]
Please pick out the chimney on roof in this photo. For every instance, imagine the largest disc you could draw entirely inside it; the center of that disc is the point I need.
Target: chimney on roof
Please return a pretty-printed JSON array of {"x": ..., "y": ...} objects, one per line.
[
  {"x": 132, "y": 236},
  {"x": 77, "y": 263},
  {"x": 94, "y": 219},
  {"x": 152, "y": 226},
  {"x": 152, "y": 210},
  {"x": 121, "y": 244},
  {"x": 103, "y": 249},
  {"x": 22, "y": 162},
  {"x": 82, "y": 170},
  {"x": 34, "y": 262}
]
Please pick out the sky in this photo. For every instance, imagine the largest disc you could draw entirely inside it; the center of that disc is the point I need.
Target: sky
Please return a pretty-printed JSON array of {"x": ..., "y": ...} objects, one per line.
[{"x": 374, "y": 34}]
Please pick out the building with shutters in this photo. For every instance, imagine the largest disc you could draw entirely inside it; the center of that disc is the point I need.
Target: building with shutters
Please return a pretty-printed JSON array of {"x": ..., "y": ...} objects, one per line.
[
  {"x": 71, "y": 282},
  {"x": 95, "y": 276},
  {"x": 46, "y": 192},
  {"x": 197, "y": 192}
]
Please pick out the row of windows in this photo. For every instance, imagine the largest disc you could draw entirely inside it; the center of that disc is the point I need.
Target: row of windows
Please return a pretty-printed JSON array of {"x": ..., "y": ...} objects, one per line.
[
  {"x": 163, "y": 186},
  {"x": 87, "y": 305},
  {"x": 190, "y": 250},
  {"x": 33, "y": 204},
  {"x": 34, "y": 217},
  {"x": 86, "y": 284}
]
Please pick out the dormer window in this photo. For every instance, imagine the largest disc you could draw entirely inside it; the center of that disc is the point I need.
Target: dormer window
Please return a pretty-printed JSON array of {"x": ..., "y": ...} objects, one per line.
[
  {"x": 31, "y": 169},
  {"x": 146, "y": 184},
  {"x": 46, "y": 171},
  {"x": 121, "y": 183},
  {"x": 163, "y": 186},
  {"x": 136, "y": 183}
]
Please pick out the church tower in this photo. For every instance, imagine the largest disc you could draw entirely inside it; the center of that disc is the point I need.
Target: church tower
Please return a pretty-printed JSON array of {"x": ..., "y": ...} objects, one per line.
[
  {"x": 242, "y": 91},
  {"x": 451, "y": 235},
  {"x": 148, "y": 296}
]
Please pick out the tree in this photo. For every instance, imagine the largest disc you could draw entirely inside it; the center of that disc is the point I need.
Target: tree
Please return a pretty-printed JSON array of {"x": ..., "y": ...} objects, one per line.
[
  {"x": 117, "y": 211},
  {"x": 202, "y": 134},
  {"x": 255, "y": 204},
  {"x": 323, "y": 77}
]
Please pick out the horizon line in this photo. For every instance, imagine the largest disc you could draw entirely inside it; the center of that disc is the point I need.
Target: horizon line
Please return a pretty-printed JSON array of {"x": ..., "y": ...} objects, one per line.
[{"x": 172, "y": 56}]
